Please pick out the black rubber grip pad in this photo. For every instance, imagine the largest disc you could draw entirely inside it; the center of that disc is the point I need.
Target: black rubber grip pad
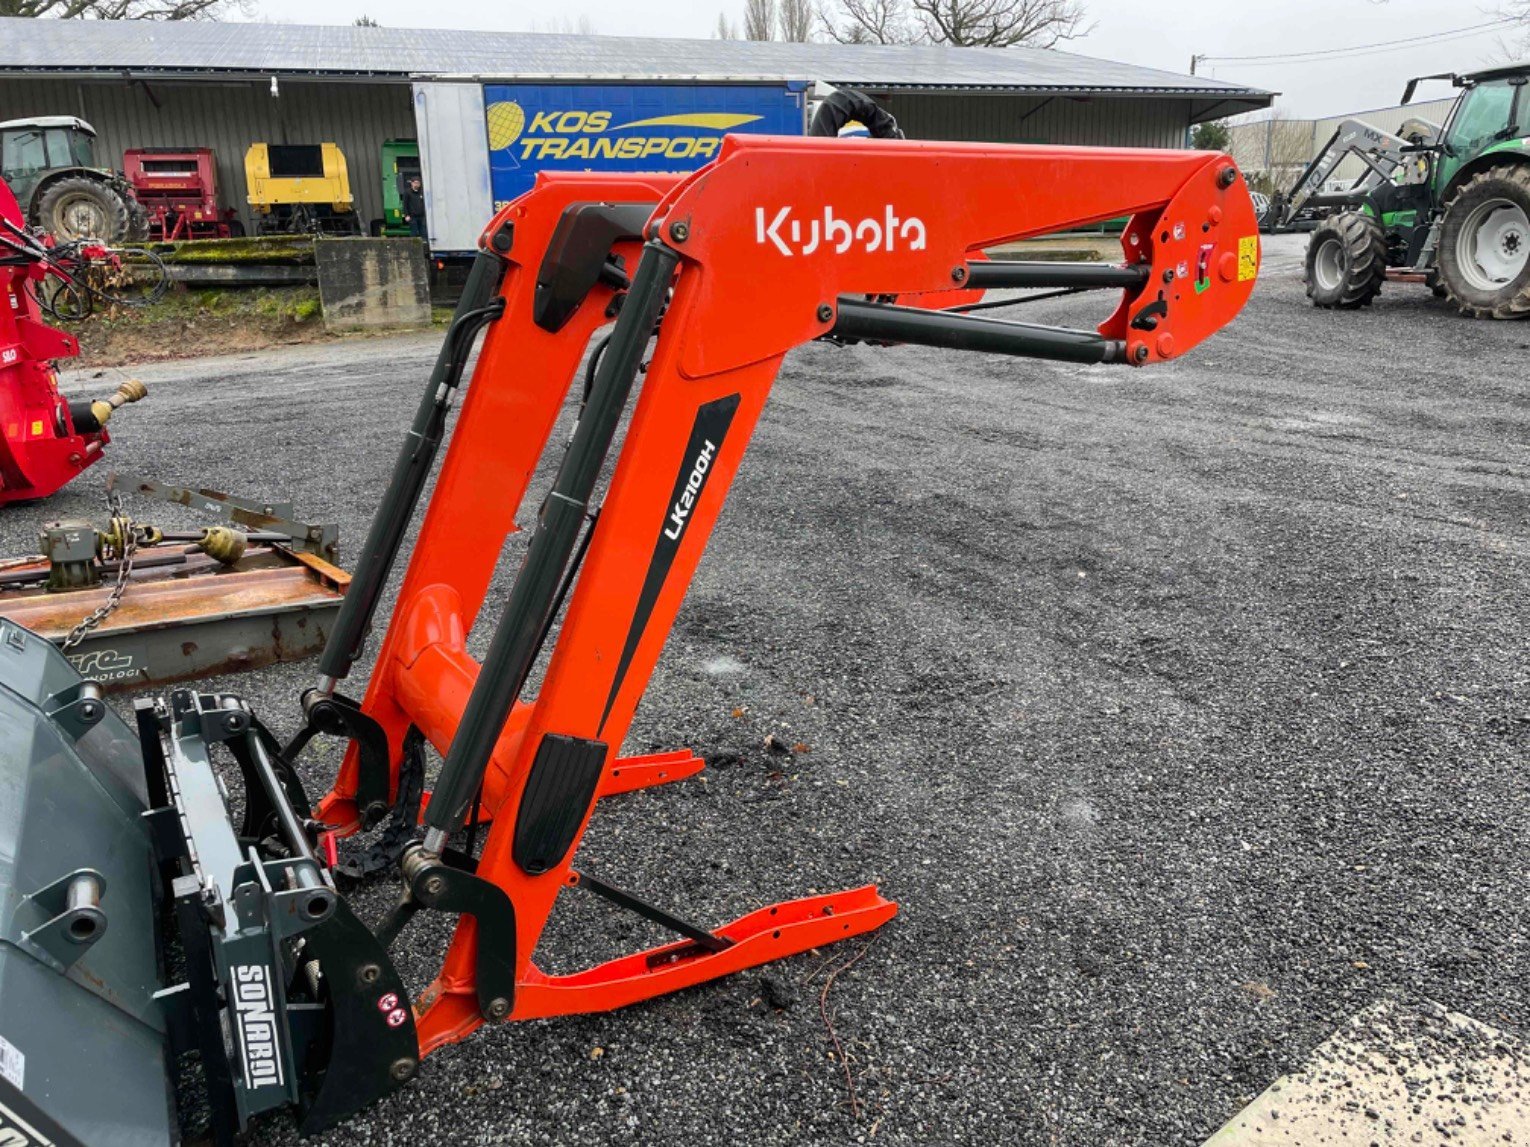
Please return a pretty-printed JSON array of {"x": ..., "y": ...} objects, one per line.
[{"x": 556, "y": 799}]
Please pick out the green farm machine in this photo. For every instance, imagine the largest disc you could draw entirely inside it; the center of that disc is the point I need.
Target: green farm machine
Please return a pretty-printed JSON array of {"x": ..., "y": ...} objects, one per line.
[
  {"x": 1448, "y": 207},
  {"x": 400, "y": 164},
  {"x": 51, "y": 166}
]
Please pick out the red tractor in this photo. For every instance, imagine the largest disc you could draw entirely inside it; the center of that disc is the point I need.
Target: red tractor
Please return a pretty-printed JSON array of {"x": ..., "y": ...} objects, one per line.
[
  {"x": 178, "y": 187},
  {"x": 47, "y": 440}
]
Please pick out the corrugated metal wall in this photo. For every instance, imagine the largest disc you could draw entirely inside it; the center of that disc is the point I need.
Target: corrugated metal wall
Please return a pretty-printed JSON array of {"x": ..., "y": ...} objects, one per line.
[
  {"x": 1113, "y": 121},
  {"x": 1284, "y": 147},
  {"x": 227, "y": 117}
]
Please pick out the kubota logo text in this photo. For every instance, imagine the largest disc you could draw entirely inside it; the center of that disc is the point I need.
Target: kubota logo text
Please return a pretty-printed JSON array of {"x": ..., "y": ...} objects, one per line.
[{"x": 792, "y": 236}]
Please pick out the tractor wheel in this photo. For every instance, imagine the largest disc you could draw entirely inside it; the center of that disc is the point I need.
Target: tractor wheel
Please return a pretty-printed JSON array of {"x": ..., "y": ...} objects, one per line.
[
  {"x": 1485, "y": 244},
  {"x": 78, "y": 207},
  {"x": 1346, "y": 261}
]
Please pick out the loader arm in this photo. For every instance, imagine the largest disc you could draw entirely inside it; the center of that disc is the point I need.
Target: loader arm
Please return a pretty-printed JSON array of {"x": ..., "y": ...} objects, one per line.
[
  {"x": 804, "y": 237},
  {"x": 1383, "y": 154},
  {"x": 290, "y": 999}
]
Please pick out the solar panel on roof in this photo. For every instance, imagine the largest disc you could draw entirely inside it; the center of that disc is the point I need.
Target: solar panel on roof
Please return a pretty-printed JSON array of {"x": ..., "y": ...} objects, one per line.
[{"x": 206, "y": 46}]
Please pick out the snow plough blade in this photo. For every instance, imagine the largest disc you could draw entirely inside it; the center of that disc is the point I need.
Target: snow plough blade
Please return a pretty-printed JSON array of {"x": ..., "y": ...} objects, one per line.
[
  {"x": 141, "y": 929},
  {"x": 83, "y": 1039}
]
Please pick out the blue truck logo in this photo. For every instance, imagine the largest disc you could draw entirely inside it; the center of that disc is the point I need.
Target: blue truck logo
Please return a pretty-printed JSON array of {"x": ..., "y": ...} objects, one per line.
[{"x": 623, "y": 127}]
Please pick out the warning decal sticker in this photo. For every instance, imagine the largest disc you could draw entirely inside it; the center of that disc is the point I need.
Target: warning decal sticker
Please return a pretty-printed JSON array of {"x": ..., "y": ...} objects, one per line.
[
  {"x": 1248, "y": 257},
  {"x": 13, "y": 1065}
]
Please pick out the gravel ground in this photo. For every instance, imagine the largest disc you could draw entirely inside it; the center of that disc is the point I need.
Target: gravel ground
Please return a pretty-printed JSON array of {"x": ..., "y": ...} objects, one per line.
[{"x": 1183, "y": 711}]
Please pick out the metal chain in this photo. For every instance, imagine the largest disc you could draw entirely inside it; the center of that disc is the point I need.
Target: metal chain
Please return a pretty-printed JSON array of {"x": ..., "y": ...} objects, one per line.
[{"x": 126, "y": 540}]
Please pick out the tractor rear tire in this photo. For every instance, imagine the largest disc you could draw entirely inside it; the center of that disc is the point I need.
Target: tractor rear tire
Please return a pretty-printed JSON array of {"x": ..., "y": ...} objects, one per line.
[
  {"x": 78, "y": 207},
  {"x": 1346, "y": 261},
  {"x": 1485, "y": 244}
]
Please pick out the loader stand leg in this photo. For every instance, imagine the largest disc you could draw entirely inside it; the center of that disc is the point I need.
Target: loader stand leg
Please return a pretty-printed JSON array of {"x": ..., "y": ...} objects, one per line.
[
  {"x": 630, "y": 774},
  {"x": 790, "y": 928}
]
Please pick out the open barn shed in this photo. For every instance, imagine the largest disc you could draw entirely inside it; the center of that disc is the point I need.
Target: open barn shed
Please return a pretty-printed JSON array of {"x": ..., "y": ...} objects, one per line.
[{"x": 227, "y": 85}]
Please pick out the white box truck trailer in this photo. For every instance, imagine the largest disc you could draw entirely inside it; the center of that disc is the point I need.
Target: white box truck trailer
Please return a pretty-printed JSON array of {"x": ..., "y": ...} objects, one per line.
[{"x": 482, "y": 144}]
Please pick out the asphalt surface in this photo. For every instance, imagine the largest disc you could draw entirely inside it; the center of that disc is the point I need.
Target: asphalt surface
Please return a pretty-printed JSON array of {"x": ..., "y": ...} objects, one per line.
[{"x": 1184, "y": 712}]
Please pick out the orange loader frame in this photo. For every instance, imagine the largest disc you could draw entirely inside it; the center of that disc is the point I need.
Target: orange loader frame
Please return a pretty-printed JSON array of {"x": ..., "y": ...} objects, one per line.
[{"x": 712, "y": 278}]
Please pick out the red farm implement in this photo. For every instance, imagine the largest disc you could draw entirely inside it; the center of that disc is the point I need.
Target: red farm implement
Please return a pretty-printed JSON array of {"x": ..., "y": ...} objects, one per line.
[
  {"x": 45, "y": 440},
  {"x": 178, "y": 187}
]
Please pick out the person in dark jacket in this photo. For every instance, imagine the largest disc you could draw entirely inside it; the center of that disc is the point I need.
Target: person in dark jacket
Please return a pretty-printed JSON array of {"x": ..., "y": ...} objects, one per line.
[{"x": 412, "y": 206}]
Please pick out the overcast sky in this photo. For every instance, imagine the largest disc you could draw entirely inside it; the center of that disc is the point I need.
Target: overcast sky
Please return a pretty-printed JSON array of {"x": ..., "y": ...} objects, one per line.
[{"x": 1162, "y": 34}]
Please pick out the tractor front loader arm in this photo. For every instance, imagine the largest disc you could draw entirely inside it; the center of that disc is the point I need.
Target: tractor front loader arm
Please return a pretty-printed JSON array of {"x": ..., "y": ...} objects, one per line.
[
  {"x": 546, "y": 278},
  {"x": 776, "y": 243},
  {"x": 288, "y": 998}
]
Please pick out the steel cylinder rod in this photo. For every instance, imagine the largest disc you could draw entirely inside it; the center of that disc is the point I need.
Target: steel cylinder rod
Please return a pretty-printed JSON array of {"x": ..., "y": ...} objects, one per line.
[
  {"x": 535, "y": 593},
  {"x": 997, "y": 273},
  {"x": 876, "y": 322},
  {"x": 411, "y": 469}
]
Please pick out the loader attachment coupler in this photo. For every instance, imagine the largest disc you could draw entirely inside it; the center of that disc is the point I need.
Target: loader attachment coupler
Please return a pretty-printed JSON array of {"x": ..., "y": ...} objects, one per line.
[
  {"x": 287, "y": 998},
  {"x": 711, "y": 278}
]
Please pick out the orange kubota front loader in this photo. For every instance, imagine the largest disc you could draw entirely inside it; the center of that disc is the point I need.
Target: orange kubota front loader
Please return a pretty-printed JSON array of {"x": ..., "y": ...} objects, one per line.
[
  {"x": 711, "y": 279},
  {"x": 778, "y": 242}
]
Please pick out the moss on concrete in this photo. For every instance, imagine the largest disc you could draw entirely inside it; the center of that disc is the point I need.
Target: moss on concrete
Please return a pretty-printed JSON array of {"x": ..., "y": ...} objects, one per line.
[{"x": 290, "y": 250}]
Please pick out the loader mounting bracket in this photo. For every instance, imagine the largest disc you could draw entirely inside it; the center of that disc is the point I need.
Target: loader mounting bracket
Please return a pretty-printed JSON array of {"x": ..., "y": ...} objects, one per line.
[
  {"x": 275, "y": 959},
  {"x": 449, "y": 883},
  {"x": 336, "y": 715},
  {"x": 580, "y": 255}
]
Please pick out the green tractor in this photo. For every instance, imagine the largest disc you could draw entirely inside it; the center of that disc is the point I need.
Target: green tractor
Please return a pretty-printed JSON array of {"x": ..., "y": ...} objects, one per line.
[
  {"x": 50, "y": 164},
  {"x": 1448, "y": 207},
  {"x": 400, "y": 164}
]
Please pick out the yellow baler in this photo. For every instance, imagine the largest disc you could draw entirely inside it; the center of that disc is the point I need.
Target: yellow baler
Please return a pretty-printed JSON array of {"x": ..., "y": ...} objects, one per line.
[{"x": 300, "y": 188}]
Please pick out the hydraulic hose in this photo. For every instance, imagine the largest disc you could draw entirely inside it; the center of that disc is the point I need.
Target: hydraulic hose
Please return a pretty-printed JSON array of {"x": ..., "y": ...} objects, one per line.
[
  {"x": 535, "y": 593},
  {"x": 477, "y": 307}
]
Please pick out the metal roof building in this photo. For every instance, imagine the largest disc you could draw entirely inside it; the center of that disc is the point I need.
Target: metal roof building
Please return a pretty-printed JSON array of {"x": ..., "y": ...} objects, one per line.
[{"x": 209, "y": 84}]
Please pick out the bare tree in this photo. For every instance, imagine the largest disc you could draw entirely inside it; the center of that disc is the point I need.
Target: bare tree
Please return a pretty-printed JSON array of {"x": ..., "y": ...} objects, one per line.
[
  {"x": 868, "y": 22},
  {"x": 365, "y": 21},
  {"x": 723, "y": 31},
  {"x": 1000, "y": 23},
  {"x": 120, "y": 9},
  {"x": 796, "y": 20},
  {"x": 1519, "y": 46},
  {"x": 965, "y": 23},
  {"x": 1272, "y": 149},
  {"x": 759, "y": 19}
]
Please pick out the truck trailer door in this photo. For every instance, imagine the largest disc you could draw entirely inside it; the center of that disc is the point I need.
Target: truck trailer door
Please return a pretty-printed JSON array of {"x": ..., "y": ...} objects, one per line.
[{"x": 454, "y": 164}]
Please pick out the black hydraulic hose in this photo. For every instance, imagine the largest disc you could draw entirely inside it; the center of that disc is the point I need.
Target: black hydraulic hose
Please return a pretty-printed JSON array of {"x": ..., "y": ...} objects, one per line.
[
  {"x": 51, "y": 258},
  {"x": 846, "y": 104},
  {"x": 591, "y": 368},
  {"x": 410, "y": 470},
  {"x": 534, "y": 595},
  {"x": 995, "y": 304}
]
